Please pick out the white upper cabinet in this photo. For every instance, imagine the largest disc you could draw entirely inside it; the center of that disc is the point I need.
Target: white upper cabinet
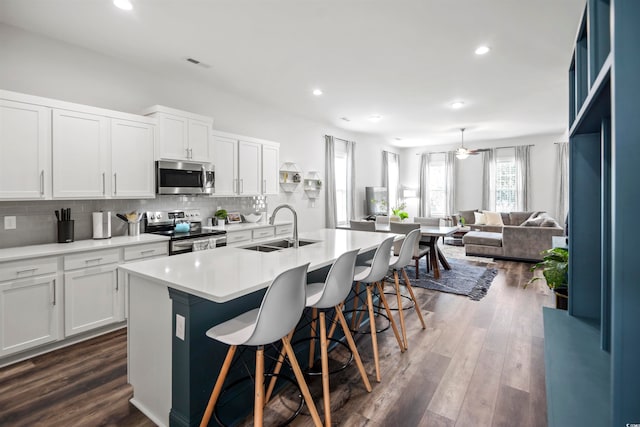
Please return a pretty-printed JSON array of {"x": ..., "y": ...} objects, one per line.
[
  {"x": 182, "y": 135},
  {"x": 56, "y": 149},
  {"x": 25, "y": 151},
  {"x": 270, "y": 162},
  {"x": 132, "y": 165},
  {"x": 249, "y": 168},
  {"x": 245, "y": 166},
  {"x": 80, "y": 155},
  {"x": 226, "y": 165}
]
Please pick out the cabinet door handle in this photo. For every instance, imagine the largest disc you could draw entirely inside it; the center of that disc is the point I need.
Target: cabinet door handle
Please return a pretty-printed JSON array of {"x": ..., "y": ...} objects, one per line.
[
  {"x": 42, "y": 182},
  {"x": 54, "y": 292},
  {"x": 117, "y": 284},
  {"x": 104, "y": 185},
  {"x": 191, "y": 153},
  {"x": 187, "y": 150},
  {"x": 241, "y": 185},
  {"x": 148, "y": 251},
  {"x": 115, "y": 183},
  {"x": 27, "y": 270},
  {"x": 264, "y": 186},
  {"x": 93, "y": 260}
]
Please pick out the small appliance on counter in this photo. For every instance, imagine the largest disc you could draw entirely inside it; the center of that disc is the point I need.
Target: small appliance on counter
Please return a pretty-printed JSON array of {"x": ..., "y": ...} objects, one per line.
[
  {"x": 101, "y": 225},
  {"x": 185, "y": 230}
]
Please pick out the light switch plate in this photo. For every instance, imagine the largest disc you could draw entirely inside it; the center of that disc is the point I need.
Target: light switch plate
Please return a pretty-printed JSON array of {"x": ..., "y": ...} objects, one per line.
[
  {"x": 9, "y": 222},
  {"x": 180, "y": 327}
]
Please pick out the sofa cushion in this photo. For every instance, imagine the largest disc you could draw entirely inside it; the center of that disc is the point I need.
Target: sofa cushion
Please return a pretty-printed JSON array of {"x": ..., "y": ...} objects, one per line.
[
  {"x": 534, "y": 222},
  {"x": 517, "y": 218},
  {"x": 483, "y": 238},
  {"x": 468, "y": 216},
  {"x": 506, "y": 219},
  {"x": 493, "y": 218},
  {"x": 479, "y": 218},
  {"x": 549, "y": 222}
]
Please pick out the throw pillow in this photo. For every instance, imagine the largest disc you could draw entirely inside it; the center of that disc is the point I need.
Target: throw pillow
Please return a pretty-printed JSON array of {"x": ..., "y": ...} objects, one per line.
[
  {"x": 549, "y": 222},
  {"x": 479, "y": 218},
  {"x": 534, "y": 222},
  {"x": 468, "y": 216},
  {"x": 493, "y": 218}
]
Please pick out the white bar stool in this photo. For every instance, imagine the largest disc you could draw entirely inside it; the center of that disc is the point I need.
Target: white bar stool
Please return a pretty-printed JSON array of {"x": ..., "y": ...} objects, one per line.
[
  {"x": 398, "y": 263},
  {"x": 373, "y": 276},
  {"x": 278, "y": 314}
]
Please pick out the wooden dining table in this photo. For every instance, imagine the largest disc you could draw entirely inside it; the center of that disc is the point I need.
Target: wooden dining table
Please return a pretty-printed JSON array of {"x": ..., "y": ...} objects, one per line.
[{"x": 433, "y": 233}]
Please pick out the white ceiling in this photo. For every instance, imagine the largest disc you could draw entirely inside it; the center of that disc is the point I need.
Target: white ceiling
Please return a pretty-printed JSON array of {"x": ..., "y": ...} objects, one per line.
[{"x": 406, "y": 60}]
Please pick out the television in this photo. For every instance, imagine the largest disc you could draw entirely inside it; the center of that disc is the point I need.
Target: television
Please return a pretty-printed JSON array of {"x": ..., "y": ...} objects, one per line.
[{"x": 376, "y": 200}]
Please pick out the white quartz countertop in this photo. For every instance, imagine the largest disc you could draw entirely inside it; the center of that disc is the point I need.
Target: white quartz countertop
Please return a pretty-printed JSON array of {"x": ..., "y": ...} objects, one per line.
[
  {"x": 226, "y": 273},
  {"x": 50, "y": 249},
  {"x": 244, "y": 226}
]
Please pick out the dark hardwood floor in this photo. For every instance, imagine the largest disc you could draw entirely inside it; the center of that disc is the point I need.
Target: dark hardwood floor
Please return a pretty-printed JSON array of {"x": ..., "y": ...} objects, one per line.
[{"x": 477, "y": 364}]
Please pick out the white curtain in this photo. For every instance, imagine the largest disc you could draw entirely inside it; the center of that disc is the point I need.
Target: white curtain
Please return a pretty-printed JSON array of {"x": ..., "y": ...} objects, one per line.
[
  {"x": 562, "y": 179},
  {"x": 391, "y": 177},
  {"x": 424, "y": 208},
  {"x": 450, "y": 183},
  {"x": 523, "y": 177},
  {"x": 330, "y": 180},
  {"x": 489, "y": 179},
  {"x": 351, "y": 179}
]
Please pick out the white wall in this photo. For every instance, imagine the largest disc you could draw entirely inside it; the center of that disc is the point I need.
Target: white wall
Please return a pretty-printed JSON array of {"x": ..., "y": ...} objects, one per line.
[
  {"x": 44, "y": 67},
  {"x": 544, "y": 185}
]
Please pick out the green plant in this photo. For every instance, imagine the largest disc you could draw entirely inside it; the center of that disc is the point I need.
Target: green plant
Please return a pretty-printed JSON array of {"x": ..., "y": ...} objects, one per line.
[
  {"x": 462, "y": 220},
  {"x": 400, "y": 212},
  {"x": 555, "y": 268},
  {"x": 221, "y": 214}
]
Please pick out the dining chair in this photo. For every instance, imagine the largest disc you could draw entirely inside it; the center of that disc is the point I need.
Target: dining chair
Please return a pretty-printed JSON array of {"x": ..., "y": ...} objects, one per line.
[{"x": 362, "y": 225}]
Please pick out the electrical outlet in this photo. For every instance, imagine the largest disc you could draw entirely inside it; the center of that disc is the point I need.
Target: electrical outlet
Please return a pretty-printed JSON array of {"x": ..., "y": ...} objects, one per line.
[
  {"x": 9, "y": 222},
  {"x": 180, "y": 327}
]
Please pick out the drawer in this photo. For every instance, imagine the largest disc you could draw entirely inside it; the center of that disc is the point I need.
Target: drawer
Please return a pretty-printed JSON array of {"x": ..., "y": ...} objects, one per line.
[
  {"x": 27, "y": 268},
  {"x": 91, "y": 259},
  {"x": 261, "y": 233},
  {"x": 238, "y": 236},
  {"x": 284, "y": 229},
  {"x": 145, "y": 251}
]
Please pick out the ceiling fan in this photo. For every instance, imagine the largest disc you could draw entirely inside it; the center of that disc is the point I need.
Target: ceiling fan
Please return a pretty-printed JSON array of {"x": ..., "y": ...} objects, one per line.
[{"x": 462, "y": 152}]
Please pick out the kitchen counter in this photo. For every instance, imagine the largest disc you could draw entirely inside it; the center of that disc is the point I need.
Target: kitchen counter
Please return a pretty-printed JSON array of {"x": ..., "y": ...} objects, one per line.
[
  {"x": 226, "y": 273},
  {"x": 172, "y": 365},
  {"x": 35, "y": 251}
]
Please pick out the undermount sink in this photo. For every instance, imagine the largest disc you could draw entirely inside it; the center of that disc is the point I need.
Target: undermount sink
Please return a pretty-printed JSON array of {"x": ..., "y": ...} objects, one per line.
[{"x": 276, "y": 245}]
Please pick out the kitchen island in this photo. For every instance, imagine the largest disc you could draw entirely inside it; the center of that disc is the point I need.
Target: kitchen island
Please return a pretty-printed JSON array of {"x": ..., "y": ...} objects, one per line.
[{"x": 172, "y": 365}]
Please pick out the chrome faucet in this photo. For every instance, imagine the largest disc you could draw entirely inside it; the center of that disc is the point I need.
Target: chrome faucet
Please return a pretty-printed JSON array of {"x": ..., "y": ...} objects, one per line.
[{"x": 295, "y": 221}]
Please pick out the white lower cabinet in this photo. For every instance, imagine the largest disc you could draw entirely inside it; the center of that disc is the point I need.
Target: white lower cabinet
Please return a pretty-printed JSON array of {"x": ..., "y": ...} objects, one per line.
[
  {"x": 91, "y": 299},
  {"x": 29, "y": 313}
]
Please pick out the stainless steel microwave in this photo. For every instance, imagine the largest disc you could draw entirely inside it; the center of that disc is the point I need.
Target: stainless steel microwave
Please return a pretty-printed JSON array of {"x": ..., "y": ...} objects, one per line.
[{"x": 184, "y": 178}]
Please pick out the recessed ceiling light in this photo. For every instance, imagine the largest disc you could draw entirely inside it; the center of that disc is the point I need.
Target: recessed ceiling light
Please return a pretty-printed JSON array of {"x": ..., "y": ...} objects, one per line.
[
  {"x": 375, "y": 118},
  {"x": 456, "y": 105},
  {"x": 346, "y": 119},
  {"x": 398, "y": 139},
  {"x": 481, "y": 50},
  {"x": 123, "y": 4},
  {"x": 317, "y": 92}
]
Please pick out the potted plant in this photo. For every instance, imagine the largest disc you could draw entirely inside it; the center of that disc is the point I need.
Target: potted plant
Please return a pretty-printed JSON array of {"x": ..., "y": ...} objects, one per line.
[
  {"x": 555, "y": 269},
  {"x": 400, "y": 212},
  {"x": 221, "y": 216}
]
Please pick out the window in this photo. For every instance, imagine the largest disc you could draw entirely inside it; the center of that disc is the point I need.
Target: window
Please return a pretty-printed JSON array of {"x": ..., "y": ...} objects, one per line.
[
  {"x": 342, "y": 215},
  {"x": 506, "y": 191},
  {"x": 437, "y": 185}
]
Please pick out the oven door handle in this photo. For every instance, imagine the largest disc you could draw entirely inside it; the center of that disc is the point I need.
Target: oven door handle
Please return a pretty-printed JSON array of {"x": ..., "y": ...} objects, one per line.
[{"x": 184, "y": 245}]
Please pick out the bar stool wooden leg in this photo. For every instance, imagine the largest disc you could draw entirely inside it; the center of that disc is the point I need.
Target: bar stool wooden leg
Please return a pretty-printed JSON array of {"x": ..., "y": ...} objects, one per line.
[
  {"x": 325, "y": 370},
  {"x": 354, "y": 349},
  {"x": 407, "y": 282},
  {"x": 393, "y": 322},
  {"x": 334, "y": 322},
  {"x": 258, "y": 404},
  {"x": 217, "y": 388},
  {"x": 400, "y": 310},
  {"x": 276, "y": 371},
  {"x": 312, "y": 342},
  {"x": 301, "y": 382},
  {"x": 374, "y": 338},
  {"x": 355, "y": 306}
]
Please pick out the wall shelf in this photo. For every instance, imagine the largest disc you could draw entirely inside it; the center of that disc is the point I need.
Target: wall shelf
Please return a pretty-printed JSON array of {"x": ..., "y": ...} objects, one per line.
[
  {"x": 290, "y": 176},
  {"x": 312, "y": 185}
]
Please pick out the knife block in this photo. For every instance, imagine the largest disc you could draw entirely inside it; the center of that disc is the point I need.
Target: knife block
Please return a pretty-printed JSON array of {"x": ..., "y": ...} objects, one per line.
[{"x": 65, "y": 231}]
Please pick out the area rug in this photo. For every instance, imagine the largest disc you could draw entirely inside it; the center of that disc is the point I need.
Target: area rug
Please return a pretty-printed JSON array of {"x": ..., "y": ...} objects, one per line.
[{"x": 464, "y": 278}]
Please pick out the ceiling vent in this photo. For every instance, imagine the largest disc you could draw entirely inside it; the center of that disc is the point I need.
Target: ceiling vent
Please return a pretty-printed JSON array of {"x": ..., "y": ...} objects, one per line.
[{"x": 198, "y": 63}]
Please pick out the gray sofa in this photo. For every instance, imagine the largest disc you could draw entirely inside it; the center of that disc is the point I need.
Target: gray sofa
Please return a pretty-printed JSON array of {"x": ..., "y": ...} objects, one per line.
[{"x": 511, "y": 241}]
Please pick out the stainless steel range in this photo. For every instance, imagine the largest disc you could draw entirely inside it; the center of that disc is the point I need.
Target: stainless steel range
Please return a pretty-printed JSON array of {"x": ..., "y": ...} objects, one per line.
[{"x": 185, "y": 230}]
